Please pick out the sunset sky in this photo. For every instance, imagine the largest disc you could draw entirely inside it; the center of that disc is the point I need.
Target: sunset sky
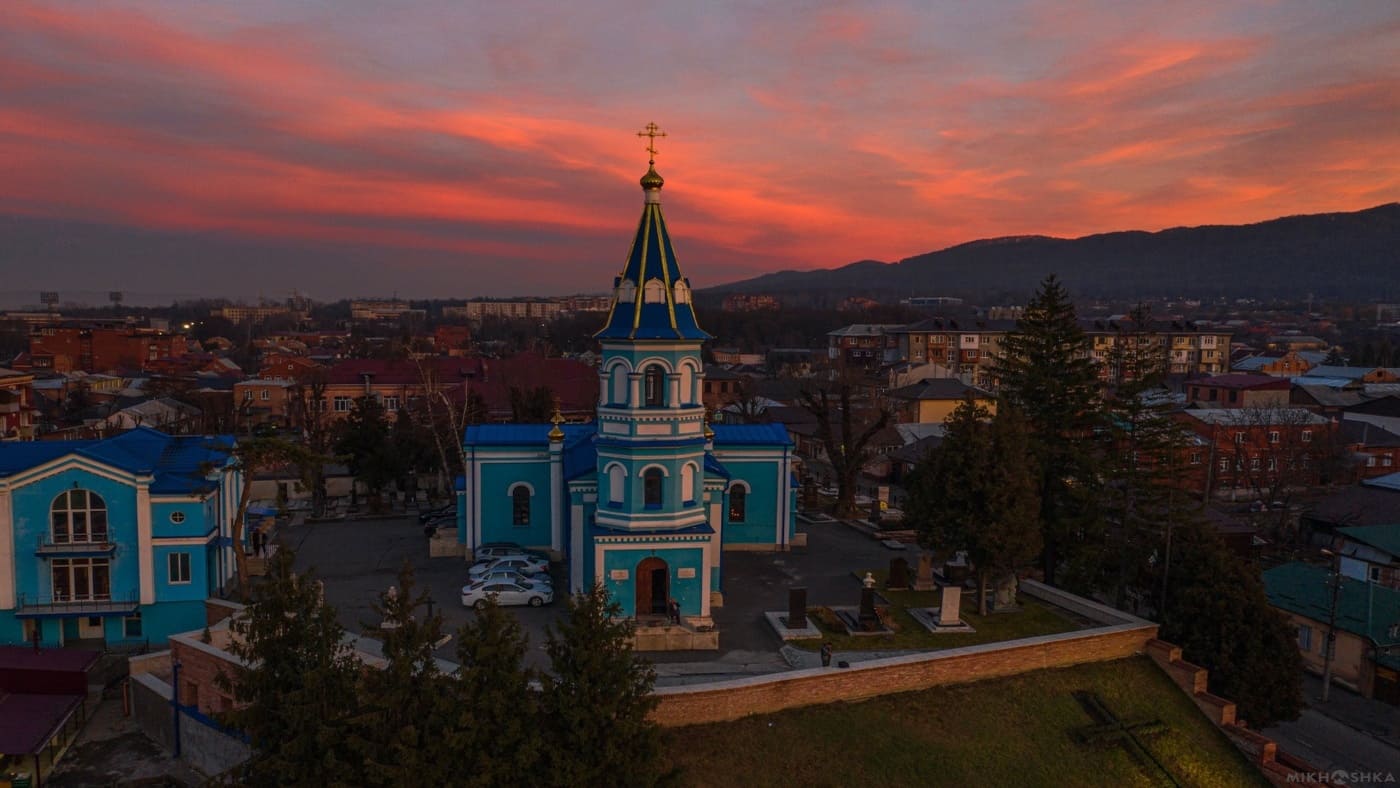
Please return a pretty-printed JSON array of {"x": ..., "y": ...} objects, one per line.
[{"x": 452, "y": 149}]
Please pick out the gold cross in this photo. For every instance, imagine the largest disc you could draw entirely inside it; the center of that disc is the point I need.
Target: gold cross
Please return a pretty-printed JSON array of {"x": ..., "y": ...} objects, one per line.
[{"x": 651, "y": 132}]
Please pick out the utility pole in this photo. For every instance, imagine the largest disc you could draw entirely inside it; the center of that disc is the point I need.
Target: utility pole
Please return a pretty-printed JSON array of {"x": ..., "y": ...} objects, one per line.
[{"x": 1335, "y": 581}]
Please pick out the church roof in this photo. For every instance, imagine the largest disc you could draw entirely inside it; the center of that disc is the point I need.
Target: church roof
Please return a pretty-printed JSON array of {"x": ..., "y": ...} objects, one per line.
[
  {"x": 178, "y": 464},
  {"x": 750, "y": 434},
  {"x": 651, "y": 297}
]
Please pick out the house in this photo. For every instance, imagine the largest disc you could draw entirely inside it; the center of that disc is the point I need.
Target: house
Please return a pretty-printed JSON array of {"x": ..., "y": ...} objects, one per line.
[
  {"x": 1259, "y": 451},
  {"x": 933, "y": 400},
  {"x": 18, "y": 415},
  {"x": 1324, "y": 400},
  {"x": 721, "y": 388},
  {"x": 1366, "y": 656},
  {"x": 1296, "y": 342},
  {"x": 1284, "y": 365},
  {"x": 164, "y": 413},
  {"x": 1238, "y": 391},
  {"x": 1375, "y": 450},
  {"x": 860, "y": 345},
  {"x": 1370, "y": 552},
  {"x": 71, "y": 348},
  {"x": 647, "y": 497},
  {"x": 270, "y": 401},
  {"x": 113, "y": 541},
  {"x": 287, "y": 367}
]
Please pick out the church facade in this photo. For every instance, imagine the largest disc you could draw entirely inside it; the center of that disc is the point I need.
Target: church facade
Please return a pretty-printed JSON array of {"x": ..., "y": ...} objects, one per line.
[{"x": 647, "y": 498}]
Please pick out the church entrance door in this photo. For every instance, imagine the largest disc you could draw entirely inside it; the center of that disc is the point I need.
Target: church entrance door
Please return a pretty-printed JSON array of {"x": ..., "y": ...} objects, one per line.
[{"x": 653, "y": 587}]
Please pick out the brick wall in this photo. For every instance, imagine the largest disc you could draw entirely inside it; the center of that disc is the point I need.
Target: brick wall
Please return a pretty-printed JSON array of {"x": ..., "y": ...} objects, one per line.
[
  {"x": 199, "y": 667},
  {"x": 731, "y": 700}
]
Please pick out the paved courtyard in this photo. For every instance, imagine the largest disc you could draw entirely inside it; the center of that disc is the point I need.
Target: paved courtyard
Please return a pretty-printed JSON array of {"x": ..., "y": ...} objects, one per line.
[{"x": 358, "y": 559}]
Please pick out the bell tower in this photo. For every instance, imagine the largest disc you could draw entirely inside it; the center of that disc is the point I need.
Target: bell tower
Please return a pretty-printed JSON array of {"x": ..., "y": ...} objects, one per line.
[{"x": 651, "y": 418}]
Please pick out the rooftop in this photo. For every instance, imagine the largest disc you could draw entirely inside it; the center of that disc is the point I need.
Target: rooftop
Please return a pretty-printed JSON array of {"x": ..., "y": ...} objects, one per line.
[
  {"x": 1244, "y": 382},
  {"x": 179, "y": 464},
  {"x": 1364, "y": 609},
  {"x": 938, "y": 389},
  {"x": 1385, "y": 538}
]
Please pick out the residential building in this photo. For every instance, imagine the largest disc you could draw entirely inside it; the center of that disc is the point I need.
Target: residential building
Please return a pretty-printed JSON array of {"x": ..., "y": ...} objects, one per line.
[
  {"x": 860, "y": 345},
  {"x": 265, "y": 401},
  {"x": 1283, "y": 365},
  {"x": 933, "y": 400},
  {"x": 1374, "y": 449},
  {"x": 452, "y": 341},
  {"x": 1188, "y": 349},
  {"x": 1260, "y": 452},
  {"x": 167, "y": 414},
  {"x": 117, "y": 540},
  {"x": 80, "y": 348},
  {"x": 256, "y": 314},
  {"x": 750, "y": 302},
  {"x": 288, "y": 367},
  {"x": 1370, "y": 553},
  {"x": 384, "y": 310},
  {"x": 1296, "y": 342},
  {"x": 647, "y": 497},
  {"x": 1239, "y": 391},
  {"x": 1366, "y": 654},
  {"x": 721, "y": 388},
  {"x": 18, "y": 415}
]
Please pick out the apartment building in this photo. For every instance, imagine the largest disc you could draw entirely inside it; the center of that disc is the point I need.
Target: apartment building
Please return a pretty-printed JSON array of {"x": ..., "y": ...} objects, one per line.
[{"x": 88, "y": 349}]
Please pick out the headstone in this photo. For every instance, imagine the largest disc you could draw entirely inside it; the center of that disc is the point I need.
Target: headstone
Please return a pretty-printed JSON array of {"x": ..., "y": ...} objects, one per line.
[
  {"x": 924, "y": 580},
  {"x": 949, "y": 606},
  {"x": 956, "y": 569},
  {"x": 1005, "y": 598},
  {"x": 868, "y": 581},
  {"x": 797, "y": 608},
  {"x": 875, "y": 511},
  {"x": 869, "y": 620},
  {"x": 899, "y": 574}
]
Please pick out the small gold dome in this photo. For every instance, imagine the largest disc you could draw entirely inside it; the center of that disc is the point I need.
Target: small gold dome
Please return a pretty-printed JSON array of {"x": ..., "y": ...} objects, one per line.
[{"x": 652, "y": 180}]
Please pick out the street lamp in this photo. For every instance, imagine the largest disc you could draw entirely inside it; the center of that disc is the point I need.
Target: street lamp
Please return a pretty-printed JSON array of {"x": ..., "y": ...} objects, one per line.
[{"x": 1334, "y": 579}]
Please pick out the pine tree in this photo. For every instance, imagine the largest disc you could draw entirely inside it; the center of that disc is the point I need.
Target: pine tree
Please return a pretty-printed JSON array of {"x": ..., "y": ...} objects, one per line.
[
  {"x": 296, "y": 687},
  {"x": 401, "y": 728},
  {"x": 1045, "y": 372},
  {"x": 251, "y": 457},
  {"x": 363, "y": 438},
  {"x": 977, "y": 492},
  {"x": 1217, "y": 611},
  {"x": 596, "y": 698},
  {"x": 494, "y": 730}
]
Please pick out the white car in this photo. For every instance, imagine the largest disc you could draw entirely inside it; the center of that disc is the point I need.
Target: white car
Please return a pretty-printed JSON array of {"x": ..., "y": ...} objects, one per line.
[
  {"x": 512, "y": 576},
  {"x": 521, "y": 563},
  {"x": 506, "y": 593}
]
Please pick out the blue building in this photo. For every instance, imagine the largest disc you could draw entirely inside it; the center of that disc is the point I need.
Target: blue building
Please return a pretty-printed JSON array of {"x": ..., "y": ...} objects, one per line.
[
  {"x": 647, "y": 498},
  {"x": 115, "y": 540}
]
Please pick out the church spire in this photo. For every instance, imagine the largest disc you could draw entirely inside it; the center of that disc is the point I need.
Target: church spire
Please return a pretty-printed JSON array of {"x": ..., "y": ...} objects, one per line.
[{"x": 651, "y": 297}]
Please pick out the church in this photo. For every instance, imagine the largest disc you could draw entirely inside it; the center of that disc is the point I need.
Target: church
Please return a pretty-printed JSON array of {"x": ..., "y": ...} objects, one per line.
[{"x": 648, "y": 497}]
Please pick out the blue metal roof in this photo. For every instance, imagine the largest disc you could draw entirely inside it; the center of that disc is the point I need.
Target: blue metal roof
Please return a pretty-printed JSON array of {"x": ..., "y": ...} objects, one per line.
[
  {"x": 1331, "y": 383},
  {"x": 580, "y": 458},
  {"x": 1390, "y": 481},
  {"x": 751, "y": 435},
  {"x": 177, "y": 463},
  {"x": 634, "y": 315},
  {"x": 716, "y": 467}
]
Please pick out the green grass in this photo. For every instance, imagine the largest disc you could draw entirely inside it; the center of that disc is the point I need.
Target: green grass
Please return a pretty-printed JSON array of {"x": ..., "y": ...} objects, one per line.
[
  {"x": 1033, "y": 619},
  {"x": 1015, "y": 731}
]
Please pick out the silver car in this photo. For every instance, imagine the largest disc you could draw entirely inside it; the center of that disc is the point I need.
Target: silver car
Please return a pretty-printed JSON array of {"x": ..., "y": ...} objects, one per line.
[
  {"x": 512, "y": 576},
  {"x": 506, "y": 593}
]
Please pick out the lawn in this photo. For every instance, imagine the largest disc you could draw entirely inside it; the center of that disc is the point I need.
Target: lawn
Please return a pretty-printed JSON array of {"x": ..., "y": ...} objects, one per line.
[
  {"x": 1033, "y": 619},
  {"x": 1016, "y": 731}
]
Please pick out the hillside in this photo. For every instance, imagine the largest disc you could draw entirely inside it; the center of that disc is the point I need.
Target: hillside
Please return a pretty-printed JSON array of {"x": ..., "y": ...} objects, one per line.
[{"x": 1335, "y": 255}]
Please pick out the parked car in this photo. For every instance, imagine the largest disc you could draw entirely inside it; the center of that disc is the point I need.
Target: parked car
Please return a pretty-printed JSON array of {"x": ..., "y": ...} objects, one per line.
[
  {"x": 446, "y": 510},
  {"x": 506, "y": 593},
  {"x": 510, "y": 575},
  {"x": 505, "y": 549},
  {"x": 529, "y": 565}
]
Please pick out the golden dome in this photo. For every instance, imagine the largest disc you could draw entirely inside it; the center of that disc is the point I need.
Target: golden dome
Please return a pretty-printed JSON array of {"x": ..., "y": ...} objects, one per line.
[{"x": 652, "y": 180}]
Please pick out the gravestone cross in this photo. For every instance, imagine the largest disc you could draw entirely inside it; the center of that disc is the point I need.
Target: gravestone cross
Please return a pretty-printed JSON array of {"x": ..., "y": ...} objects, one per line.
[{"x": 1109, "y": 730}]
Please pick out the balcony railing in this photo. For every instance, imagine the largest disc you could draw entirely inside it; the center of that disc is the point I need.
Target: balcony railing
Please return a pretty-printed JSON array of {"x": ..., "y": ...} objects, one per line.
[
  {"x": 49, "y": 548},
  {"x": 102, "y": 604}
]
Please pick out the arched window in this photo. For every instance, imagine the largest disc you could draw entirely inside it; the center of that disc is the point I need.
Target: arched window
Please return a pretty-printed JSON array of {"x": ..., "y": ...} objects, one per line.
[
  {"x": 619, "y": 384},
  {"x": 617, "y": 483},
  {"x": 687, "y": 385},
  {"x": 655, "y": 380},
  {"x": 79, "y": 516},
  {"x": 682, "y": 292},
  {"x": 738, "y": 503},
  {"x": 626, "y": 292},
  {"x": 688, "y": 483},
  {"x": 651, "y": 487},
  {"x": 520, "y": 505},
  {"x": 653, "y": 292}
]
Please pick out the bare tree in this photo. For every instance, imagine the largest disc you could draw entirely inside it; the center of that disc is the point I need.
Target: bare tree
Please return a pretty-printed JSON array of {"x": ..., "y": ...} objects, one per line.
[
  {"x": 446, "y": 419},
  {"x": 307, "y": 410},
  {"x": 846, "y": 428},
  {"x": 1274, "y": 453}
]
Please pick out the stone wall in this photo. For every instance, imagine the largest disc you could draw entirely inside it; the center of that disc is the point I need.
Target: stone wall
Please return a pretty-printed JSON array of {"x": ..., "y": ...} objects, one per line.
[
  {"x": 203, "y": 743},
  {"x": 200, "y": 665},
  {"x": 731, "y": 700}
]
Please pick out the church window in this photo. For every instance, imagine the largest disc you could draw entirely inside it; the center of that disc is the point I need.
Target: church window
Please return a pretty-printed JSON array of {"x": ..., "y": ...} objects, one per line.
[
  {"x": 654, "y": 292},
  {"x": 79, "y": 516},
  {"x": 655, "y": 386},
  {"x": 520, "y": 505},
  {"x": 619, "y": 384},
  {"x": 688, "y": 483},
  {"x": 738, "y": 503},
  {"x": 651, "y": 487},
  {"x": 682, "y": 292},
  {"x": 617, "y": 481},
  {"x": 626, "y": 292}
]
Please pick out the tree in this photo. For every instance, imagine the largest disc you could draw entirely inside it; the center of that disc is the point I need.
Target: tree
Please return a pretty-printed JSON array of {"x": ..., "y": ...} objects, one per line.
[
  {"x": 1045, "y": 372},
  {"x": 977, "y": 492},
  {"x": 531, "y": 406},
  {"x": 307, "y": 410},
  {"x": 1217, "y": 611},
  {"x": 596, "y": 698},
  {"x": 494, "y": 711},
  {"x": 252, "y": 456},
  {"x": 400, "y": 728},
  {"x": 1334, "y": 358},
  {"x": 846, "y": 432},
  {"x": 295, "y": 687},
  {"x": 447, "y": 419},
  {"x": 1274, "y": 453},
  {"x": 363, "y": 438}
]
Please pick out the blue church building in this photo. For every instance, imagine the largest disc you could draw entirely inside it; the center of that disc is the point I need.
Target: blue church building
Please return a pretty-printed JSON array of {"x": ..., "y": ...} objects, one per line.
[
  {"x": 647, "y": 498},
  {"x": 117, "y": 540}
]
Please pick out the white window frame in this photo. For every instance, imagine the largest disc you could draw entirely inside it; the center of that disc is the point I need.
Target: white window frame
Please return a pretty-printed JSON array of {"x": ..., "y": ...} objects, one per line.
[{"x": 177, "y": 566}]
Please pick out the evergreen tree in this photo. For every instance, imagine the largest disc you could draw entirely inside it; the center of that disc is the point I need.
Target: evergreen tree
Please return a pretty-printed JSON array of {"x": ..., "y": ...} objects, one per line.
[
  {"x": 1334, "y": 358},
  {"x": 363, "y": 439},
  {"x": 1217, "y": 611},
  {"x": 531, "y": 406},
  {"x": 977, "y": 492},
  {"x": 400, "y": 728},
  {"x": 494, "y": 719},
  {"x": 1144, "y": 463},
  {"x": 295, "y": 688},
  {"x": 596, "y": 698},
  {"x": 1045, "y": 372}
]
